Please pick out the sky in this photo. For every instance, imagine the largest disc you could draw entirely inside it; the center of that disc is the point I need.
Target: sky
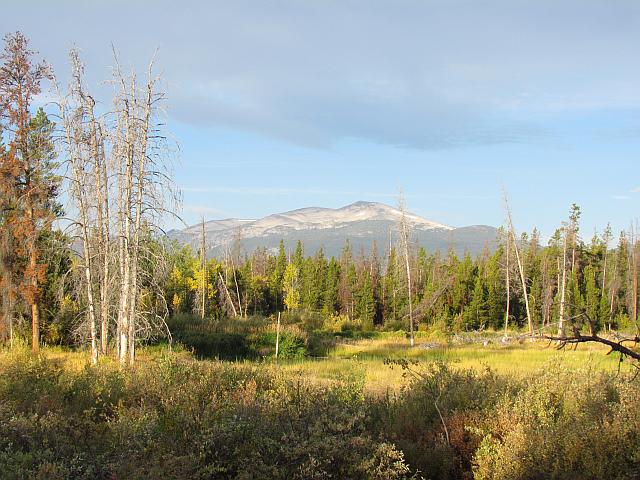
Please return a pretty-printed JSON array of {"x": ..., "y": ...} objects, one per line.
[{"x": 277, "y": 105}]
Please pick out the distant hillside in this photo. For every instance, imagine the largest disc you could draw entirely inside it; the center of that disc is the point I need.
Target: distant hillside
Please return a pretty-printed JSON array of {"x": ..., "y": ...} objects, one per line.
[{"x": 362, "y": 223}]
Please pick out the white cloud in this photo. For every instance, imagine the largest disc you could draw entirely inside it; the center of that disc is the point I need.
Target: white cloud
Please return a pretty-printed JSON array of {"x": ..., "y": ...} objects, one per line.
[
  {"x": 203, "y": 210},
  {"x": 424, "y": 74}
]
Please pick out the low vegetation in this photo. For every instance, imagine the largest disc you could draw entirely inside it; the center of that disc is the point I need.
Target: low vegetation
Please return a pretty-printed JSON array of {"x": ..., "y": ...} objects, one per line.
[{"x": 172, "y": 416}]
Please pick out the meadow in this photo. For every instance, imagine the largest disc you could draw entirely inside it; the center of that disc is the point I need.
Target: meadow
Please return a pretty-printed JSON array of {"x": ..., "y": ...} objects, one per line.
[
  {"x": 365, "y": 360},
  {"x": 371, "y": 408}
]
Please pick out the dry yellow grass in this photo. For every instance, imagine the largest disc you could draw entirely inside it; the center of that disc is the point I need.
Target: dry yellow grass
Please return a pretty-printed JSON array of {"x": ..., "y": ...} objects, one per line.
[{"x": 363, "y": 360}]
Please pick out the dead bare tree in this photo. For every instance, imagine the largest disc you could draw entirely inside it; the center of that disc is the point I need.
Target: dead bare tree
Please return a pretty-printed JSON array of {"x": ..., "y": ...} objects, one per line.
[
  {"x": 83, "y": 145},
  {"x": 203, "y": 270},
  {"x": 578, "y": 324},
  {"x": 520, "y": 263},
  {"x": 563, "y": 283},
  {"x": 404, "y": 233},
  {"x": 144, "y": 187},
  {"x": 508, "y": 285},
  {"x": 634, "y": 255}
]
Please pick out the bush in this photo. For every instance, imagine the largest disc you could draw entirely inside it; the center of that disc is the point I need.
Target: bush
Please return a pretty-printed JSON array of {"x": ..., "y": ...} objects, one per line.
[
  {"x": 412, "y": 422},
  {"x": 292, "y": 345},
  {"x": 184, "y": 419},
  {"x": 564, "y": 425},
  {"x": 225, "y": 346}
]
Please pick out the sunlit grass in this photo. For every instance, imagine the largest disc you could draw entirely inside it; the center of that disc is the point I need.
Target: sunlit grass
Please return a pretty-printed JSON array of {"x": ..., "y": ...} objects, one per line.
[{"x": 363, "y": 361}]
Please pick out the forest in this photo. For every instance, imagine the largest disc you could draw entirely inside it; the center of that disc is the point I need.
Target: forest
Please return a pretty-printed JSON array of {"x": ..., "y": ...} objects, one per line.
[{"x": 127, "y": 355}]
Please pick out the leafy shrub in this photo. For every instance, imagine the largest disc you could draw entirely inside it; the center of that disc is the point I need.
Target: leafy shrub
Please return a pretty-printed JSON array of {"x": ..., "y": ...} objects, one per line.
[
  {"x": 565, "y": 425},
  {"x": 439, "y": 447},
  {"x": 291, "y": 345},
  {"x": 225, "y": 346},
  {"x": 184, "y": 419}
]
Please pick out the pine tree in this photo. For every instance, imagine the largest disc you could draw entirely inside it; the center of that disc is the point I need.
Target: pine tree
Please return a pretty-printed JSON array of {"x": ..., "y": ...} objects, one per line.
[
  {"x": 28, "y": 167},
  {"x": 364, "y": 299},
  {"x": 592, "y": 296},
  {"x": 392, "y": 291},
  {"x": 330, "y": 304},
  {"x": 475, "y": 314},
  {"x": 495, "y": 290}
]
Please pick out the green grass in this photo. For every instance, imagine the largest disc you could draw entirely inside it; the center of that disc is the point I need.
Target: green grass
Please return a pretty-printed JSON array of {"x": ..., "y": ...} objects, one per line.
[{"x": 364, "y": 360}]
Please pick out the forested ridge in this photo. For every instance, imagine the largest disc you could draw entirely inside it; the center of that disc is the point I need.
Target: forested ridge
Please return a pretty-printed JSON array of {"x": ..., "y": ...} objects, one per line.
[{"x": 449, "y": 292}]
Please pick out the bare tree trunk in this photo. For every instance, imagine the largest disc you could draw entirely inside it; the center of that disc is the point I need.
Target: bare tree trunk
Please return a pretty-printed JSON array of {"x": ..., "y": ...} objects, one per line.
[
  {"x": 226, "y": 290},
  {"x": 563, "y": 286},
  {"x": 126, "y": 187},
  {"x": 203, "y": 263},
  {"x": 74, "y": 133},
  {"x": 404, "y": 235},
  {"x": 143, "y": 139},
  {"x": 102, "y": 206},
  {"x": 520, "y": 266},
  {"x": 634, "y": 279},
  {"x": 277, "y": 335},
  {"x": 102, "y": 211},
  {"x": 35, "y": 311},
  {"x": 508, "y": 285}
]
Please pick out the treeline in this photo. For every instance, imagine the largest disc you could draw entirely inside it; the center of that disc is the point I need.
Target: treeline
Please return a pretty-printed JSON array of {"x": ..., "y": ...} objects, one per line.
[{"x": 563, "y": 280}]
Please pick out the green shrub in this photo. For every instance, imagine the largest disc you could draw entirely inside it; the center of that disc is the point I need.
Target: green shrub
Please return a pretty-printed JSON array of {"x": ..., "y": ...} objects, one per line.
[
  {"x": 412, "y": 422},
  {"x": 564, "y": 425},
  {"x": 291, "y": 345},
  {"x": 225, "y": 346},
  {"x": 179, "y": 419}
]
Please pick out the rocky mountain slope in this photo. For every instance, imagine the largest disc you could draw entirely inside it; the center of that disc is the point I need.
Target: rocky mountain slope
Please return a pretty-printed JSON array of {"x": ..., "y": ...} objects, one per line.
[{"x": 362, "y": 223}]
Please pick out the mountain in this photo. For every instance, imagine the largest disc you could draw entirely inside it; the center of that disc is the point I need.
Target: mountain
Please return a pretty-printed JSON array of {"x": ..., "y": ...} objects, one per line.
[{"x": 362, "y": 223}]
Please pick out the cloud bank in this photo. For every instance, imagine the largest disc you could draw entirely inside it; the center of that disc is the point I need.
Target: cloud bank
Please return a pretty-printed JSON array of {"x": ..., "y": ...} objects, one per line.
[{"x": 420, "y": 74}]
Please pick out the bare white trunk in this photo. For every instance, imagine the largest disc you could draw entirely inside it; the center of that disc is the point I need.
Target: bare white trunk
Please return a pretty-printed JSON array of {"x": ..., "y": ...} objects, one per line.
[
  {"x": 520, "y": 265},
  {"x": 278, "y": 335},
  {"x": 80, "y": 192},
  {"x": 404, "y": 234},
  {"x": 203, "y": 266},
  {"x": 562, "y": 286},
  {"x": 508, "y": 285}
]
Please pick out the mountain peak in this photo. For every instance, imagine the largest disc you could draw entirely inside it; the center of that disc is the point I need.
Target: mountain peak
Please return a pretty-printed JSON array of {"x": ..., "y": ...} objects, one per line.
[{"x": 361, "y": 222}]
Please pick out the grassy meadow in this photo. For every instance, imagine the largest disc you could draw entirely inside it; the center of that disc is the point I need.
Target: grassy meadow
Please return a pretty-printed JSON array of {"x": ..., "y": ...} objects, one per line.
[
  {"x": 365, "y": 360},
  {"x": 462, "y": 410}
]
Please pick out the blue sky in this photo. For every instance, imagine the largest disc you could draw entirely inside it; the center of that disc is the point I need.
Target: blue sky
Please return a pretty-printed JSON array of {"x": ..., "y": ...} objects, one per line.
[{"x": 284, "y": 104}]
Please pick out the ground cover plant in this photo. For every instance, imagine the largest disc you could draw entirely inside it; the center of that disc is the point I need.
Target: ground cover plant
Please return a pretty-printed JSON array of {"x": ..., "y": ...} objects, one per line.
[{"x": 174, "y": 416}]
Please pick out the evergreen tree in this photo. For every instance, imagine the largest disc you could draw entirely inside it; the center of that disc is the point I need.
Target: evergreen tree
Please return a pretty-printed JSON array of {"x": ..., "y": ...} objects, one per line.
[
  {"x": 475, "y": 314},
  {"x": 392, "y": 291},
  {"x": 364, "y": 299},
  {"x": 495, "y": 290},
  {"x": 331, "y": 290},
  {"x": 592, "y": 295}
]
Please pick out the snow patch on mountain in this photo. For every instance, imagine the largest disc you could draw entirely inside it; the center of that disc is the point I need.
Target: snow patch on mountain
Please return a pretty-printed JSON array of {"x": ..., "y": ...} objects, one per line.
[
  {"x": 314, "y": 218},
  {"x": 363, "y": 223}
]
